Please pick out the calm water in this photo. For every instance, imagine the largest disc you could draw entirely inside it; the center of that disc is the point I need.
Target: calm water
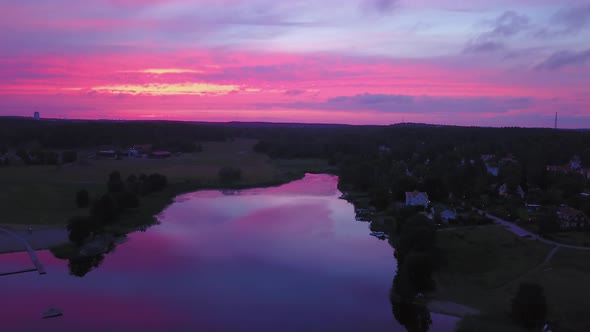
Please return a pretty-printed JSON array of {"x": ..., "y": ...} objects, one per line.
[{"x": 289, "y": 258}]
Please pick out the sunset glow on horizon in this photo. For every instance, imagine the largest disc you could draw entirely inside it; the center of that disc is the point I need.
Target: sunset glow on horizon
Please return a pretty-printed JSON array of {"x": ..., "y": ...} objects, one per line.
[{"x": 500, "y": 63}]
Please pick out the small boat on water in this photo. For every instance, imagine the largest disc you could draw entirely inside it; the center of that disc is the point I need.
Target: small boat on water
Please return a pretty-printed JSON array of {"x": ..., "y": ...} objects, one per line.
[
  {"x": 378, "y": 234},
  {"x": 52, "y": 312}
]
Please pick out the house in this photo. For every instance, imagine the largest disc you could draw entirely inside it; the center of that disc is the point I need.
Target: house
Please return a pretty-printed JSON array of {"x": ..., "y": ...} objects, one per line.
[
  {"x": 416, "y": 198},
  {"x": 503, "y": 191},
  {"x": 570, "y": 218},
  {"x": 575, "y": 163},
  {"x": 445, "y": 213},
  {"x": 160, "y": 154},
  {"x": 492, "y": 170},
  {"x": 488, "y": 157},
  {"x": 106, "y": 153},
  {"x": 142, "y": 148},
  {"x": 384, "y": 149}
]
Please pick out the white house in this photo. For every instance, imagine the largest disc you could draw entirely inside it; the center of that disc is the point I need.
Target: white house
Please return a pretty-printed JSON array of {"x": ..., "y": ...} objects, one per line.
[{"x": 416, "y": 198}]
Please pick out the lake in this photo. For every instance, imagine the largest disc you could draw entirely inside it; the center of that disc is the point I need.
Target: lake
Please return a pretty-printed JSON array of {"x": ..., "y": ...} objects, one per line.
[{"x": 286, "y": 258}]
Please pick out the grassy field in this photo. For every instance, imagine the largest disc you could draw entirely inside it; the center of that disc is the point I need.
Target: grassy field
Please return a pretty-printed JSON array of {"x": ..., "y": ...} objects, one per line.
[
  {"x": 487, "y": 263},
  {"x": 575, "y": 238},
  {"x": 45, "y": 194}
]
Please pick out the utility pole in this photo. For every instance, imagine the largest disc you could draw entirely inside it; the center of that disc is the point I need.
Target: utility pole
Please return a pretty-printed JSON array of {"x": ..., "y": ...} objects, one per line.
[{"x": 555, "y": 120}]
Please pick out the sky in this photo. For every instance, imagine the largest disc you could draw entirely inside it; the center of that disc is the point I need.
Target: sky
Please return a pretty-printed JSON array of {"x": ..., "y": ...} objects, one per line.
[{"x": 477, "y": 62}]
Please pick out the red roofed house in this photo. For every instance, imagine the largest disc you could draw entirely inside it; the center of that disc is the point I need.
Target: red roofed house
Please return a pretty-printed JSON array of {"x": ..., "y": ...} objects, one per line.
[{"x": 416, "y": 198}]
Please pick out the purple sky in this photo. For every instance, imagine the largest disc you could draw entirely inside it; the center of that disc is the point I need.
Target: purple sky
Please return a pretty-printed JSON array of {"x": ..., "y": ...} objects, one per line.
[{"x": 496, "y": 63}]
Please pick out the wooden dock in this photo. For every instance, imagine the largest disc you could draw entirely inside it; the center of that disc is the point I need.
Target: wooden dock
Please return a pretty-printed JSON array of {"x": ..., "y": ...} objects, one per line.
[{"x": 38, "y": 266}]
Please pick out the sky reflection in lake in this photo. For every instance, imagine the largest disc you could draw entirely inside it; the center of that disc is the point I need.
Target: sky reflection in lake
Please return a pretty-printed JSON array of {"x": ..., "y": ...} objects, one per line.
[{"x": 289, "y": 258}]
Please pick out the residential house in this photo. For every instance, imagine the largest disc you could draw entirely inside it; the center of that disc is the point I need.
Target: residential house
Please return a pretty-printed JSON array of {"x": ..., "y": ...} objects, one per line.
[
  {"x": 142, "y": 148},
  {"x": 106, "y": 153},
  {"x": 160, "y": 154},
  {"x": 492, "y": 170},
  {"x": 446, "y": 213},
  {"x": 503, "y": 191},
  {"x": 570, "y": 218},
  {"x": 488, "y": 157},
  {"x": 416, "y": 198},
  {"x": 575, "y": 163}
]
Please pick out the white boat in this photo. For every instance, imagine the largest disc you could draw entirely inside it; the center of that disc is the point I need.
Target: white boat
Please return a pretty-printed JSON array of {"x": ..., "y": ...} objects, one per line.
[
  {"x": 378, "y": 234},
  {"x": 52, "y": 312}
]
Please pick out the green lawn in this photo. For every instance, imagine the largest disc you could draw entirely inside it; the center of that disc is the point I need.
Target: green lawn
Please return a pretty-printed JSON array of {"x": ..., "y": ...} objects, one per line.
[
  {"x": 45, "y": 194},
  {"x": 487, "y": 263}
]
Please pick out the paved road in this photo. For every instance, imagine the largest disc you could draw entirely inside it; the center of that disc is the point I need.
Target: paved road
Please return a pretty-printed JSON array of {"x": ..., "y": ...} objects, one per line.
[{"x": 519, "y": 231}]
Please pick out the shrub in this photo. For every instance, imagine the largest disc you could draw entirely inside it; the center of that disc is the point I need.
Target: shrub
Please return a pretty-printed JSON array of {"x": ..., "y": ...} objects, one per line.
[{"x": 80, "y": 228}]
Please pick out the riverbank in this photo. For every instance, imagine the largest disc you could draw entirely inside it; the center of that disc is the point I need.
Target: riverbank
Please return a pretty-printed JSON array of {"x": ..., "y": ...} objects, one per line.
[
  {"x": 45, "y": 195},
  {"x": 484, "y": 266}
]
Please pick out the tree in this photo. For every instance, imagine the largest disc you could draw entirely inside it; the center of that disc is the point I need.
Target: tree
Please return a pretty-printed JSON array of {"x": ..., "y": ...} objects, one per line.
[
  {"x": 80, "y": 228},
  {"x": 105, "y": 209},
  {"x": 529, "y": 306},
  {"x": 115, "y": 184},
  {"x": 82, "y": 198}
]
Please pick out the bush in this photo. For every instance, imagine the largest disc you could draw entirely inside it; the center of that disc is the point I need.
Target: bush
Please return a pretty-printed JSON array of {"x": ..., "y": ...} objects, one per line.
[
  {"x": 127, "y": 200},
  {"x": 82, "y": 198},
  {"x": 529, "y": 306},
  {"x": 80, "y": 229},
  {"x": 230, "y": 174}
]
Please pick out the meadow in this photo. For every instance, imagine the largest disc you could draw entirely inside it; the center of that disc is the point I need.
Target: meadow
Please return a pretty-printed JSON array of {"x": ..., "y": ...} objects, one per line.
[
  {"x": 486, "y": 264},
  {"x": 45, "y": 194}
]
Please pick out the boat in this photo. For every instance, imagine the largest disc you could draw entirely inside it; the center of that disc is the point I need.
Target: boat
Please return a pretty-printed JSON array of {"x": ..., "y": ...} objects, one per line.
[
  {"x": 52, "y": 312},
  {"x": 378, "y": 234}
]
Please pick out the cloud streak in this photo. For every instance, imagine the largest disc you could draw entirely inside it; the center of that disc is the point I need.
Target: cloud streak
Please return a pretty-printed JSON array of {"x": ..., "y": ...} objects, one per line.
[{"x": 565, "y": 59}]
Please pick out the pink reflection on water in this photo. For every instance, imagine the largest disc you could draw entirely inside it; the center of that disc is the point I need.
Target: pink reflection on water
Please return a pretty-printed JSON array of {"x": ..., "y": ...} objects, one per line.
[{"x": 292, "y": 257}]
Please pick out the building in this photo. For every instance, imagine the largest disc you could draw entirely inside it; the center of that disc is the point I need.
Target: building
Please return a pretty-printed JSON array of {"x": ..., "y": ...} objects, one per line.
[
  {"x": 503, "y": 191},
  {"x": 160, "y": 154},
  {"x": 445, "y": 213},
  {"x": 142, "y": 148},
  {"x": 492, "y": 170},
  {"x": 416, "y": 198},
  {"x": 106, "y": 153},
  {"x": 570, "y": 218}
]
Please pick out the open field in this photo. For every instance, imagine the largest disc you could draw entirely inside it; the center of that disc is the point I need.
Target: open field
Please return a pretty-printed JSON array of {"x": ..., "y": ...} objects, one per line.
[
  {"x": 46, "y": 194},
  {"x": 486, "y": 265},
  {"x": 574, "y": 238}
]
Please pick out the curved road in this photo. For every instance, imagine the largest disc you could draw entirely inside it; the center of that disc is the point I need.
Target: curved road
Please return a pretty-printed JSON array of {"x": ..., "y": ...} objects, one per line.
[{"x": 521, "y": 232}]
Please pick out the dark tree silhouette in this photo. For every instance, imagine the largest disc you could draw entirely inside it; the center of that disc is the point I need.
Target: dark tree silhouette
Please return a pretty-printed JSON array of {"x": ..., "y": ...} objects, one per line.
[{"x": 529, "y": 306}]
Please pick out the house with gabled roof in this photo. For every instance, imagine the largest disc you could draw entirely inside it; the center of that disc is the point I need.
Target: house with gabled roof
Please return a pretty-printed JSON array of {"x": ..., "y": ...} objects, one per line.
[
  {"x": 417, "y": 198},
  {"x": 570, "y": 218}
]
